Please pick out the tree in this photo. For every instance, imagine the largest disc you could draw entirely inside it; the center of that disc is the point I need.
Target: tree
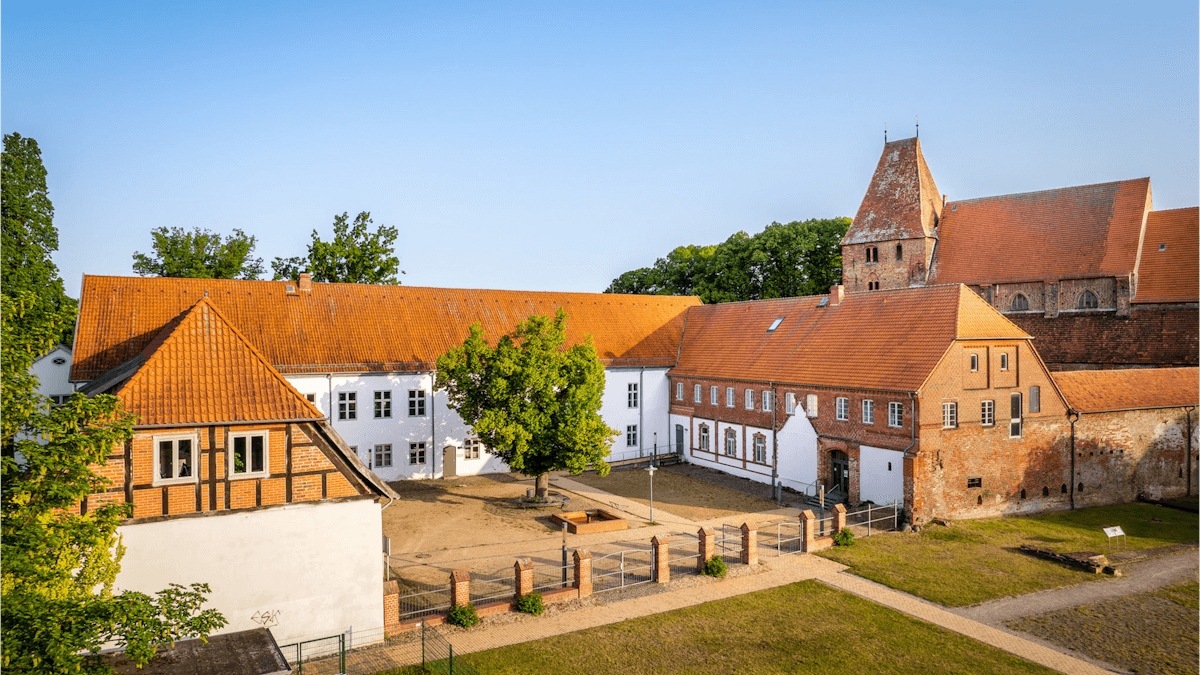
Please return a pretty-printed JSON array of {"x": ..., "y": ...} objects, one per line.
[
  {"x": 29, "y": 237},
  {"x": 199, "y": 254},
  {"x": 533, "y": 402},
  {"x": 57, "y": 567},
  {"x": 355, "y": 256}
]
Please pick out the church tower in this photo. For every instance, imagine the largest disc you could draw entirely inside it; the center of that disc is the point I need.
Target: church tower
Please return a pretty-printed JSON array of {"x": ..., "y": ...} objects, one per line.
[{"x": 890, "y": 243}]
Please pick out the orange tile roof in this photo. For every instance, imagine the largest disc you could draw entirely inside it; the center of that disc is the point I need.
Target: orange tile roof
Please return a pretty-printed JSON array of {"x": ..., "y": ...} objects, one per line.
[
  {"x": 358, "y": 327},
  {"x": 878, "y": 340},
  {"x": 1092, "y": 391},
  {"x": 1074, "y": 232},
  {"x": 1172, "y": 274},
  {"x": 902, "y": 200},
  {"x": 200, "y": 370}
]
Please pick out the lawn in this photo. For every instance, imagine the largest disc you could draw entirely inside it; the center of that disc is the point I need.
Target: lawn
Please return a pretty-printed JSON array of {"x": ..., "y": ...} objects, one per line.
[
  {"x": 972, "y": 561},
  {"x": 804, "y": 627}
]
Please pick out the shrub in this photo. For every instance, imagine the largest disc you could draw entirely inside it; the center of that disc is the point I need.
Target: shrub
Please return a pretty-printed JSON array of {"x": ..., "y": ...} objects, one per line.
[
  {"x": 844, "y": 538},
  {"x": 463, "y": 615},
  {"x": 715, "y": 567},
  {"x": 531, "y": 603}
]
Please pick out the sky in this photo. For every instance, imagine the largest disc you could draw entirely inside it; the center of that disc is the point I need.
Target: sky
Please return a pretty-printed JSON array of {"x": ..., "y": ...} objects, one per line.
[{"x": 553, "y": 146}]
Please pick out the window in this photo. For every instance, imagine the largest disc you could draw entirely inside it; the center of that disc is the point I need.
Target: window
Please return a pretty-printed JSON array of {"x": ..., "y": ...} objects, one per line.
[
  {"x": 383, "y": 404},
  {"x": 1035, "y": 399},
  {"x": 987, "y": 413},
  {"x": 416, "y": 453},
  {"x": 895, "y": 414},
  {"x": 843, "y": 408},
  {"x": 416, "y": 402},
  {"x": 347, "y": 405},
  {"x": 631, "y": 436},
  {"x": 766, "y": 399},
  {"x": 383, "y": 455},
  {"x": 811, "y": 405},
  {"x": 749, "y": 399},
  {"x": 1088, "y": 300},
  {"x": 730, "y": 443},
  {"x": 728, "y": 397},
  {"x": 59, "y": 399},
  {"x": 248, "y": 456},
  {"x": 712, "y": 395},
  {"x": 1020, "y": 303},
  {"x": 760, "y": 449},
  {"x": 790, "y": 403},
  {"x": 678, "y": 391},
  {"x": 872, "y": 285},
  {"x": 1004, "y": 362},
  {"x": 312, "y": 398},
  {"x": 899, "y": 252},
  {"x": 775, "y": 324},
  {"x": 58, "y": 360},
  {"x": 696, "y": 393},
  {"x": 1014, "y": 423},
  {"x": 704, "y": 438},
  {"x": 632, "y": 396},
  {"x": 471, "y": 448},
  {"x": 974, "y": 363},
  {"x": 176, "y": 459},
  {"x": 949, "y": 415},
  {"x": 872, "y": 254},
  {"x": 974, "y": 483},
  {"x": 868, "y": 411}
]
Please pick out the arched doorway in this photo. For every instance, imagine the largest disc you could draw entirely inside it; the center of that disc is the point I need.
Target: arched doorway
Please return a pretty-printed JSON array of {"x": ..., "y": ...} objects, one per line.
[{"x": 839, "y": 478}]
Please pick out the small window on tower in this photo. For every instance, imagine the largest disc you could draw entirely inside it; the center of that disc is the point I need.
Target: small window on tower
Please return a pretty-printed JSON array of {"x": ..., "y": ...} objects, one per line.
[
  {"x": 1020, "y": 303},
  {"x": 899, "y": 252},
  {"x": 1088, "y": 300}
]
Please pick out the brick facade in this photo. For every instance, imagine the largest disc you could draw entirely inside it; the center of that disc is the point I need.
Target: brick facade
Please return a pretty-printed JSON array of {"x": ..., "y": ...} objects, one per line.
[
  {"x": 860, "y": 267},
  {"x": 1154, "y": 335}
]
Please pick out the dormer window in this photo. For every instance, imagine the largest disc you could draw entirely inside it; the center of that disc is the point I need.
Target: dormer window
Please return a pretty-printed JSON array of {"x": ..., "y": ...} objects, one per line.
[
  {"x": 290, "y": 288},
  {"x": 872, "y": 254},
  {"x": 1020, "y": 303},
  {"x": 1088, "y": 300},
  {"x": 775, "y": 324}
]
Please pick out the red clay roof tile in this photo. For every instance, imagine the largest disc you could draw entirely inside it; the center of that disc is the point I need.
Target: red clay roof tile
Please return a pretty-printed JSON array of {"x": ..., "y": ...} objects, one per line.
[
  {"x": 902, "y": 201},
  {"x": 1092, "y": 391},
  {"x": 1173, "y": 273}
]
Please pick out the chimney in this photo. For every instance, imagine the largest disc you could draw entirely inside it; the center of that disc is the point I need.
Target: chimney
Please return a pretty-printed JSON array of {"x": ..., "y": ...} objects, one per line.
[
  {"x": 306, "y": 282},
  {"x": 836, "y": 293}
]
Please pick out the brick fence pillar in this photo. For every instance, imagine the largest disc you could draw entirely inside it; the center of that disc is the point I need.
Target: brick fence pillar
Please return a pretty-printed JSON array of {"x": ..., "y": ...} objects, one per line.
[
  {"x": 391, "y": 603},
  {"x": 839, "y": 518},
  {"x": 523, "y": 577},
  {"x": 460, "y": 588},
  {"x": 662, "y": 560},
  {"x": 749, "y": 545},
  {"x": 708, "y": 539},
  {"x": 807, "y": 523},
  {"x": 583, "y": 572}
]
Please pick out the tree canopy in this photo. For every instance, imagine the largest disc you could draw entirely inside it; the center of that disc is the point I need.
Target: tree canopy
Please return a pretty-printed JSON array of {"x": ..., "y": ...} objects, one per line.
[
  {"x": 199, "y": 254},
  {"x": 28, "y": 236},
  {"x": 532, "y": 401},
  {"x": 799, "y": 258},
  {"x": 355, "y": 255},
  {"x": 58, "y": 566}
]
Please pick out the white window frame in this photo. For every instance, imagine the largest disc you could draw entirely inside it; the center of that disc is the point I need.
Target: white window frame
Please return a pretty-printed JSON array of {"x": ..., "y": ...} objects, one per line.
[
  {"x": 987, "y": 413},
  {"x": 704, "y": 438},
  {"x": 790, "y": 403},
  {"x": 417, "y": 455},
  {"x": 383, "y": 405},
  {"x": 766, "y": 400},
  {"x": 729, "y": 397},
  {"x": 895, "y": 414},
  {"x": 760, "y": 449},
  {"x": 416, "y": 403},
  {"x": 174, "y": 440},
  {"x": 868, "y": 411},
  {"x": 974, "y": 363},
  {"x": 378, "y": 453},
  {"x": 730, "y": 443},
  {"x": 713, "y": 396},
  {"x": 1035, "y": 399},
  {"x": 810, "y": 408},
  {"x": 631, "y": 395},
  {"x": 1004, "y": 362},
  {"x": 678, "y": 391},
  {"x": 347, "y": 405},
  {"x": 949, "y": 415},
  {"x": 472, "y": 448},
  {"x": 698, "y": 393},
  {"x": 266, "y": 470},
  {"x": 631, "y": 436},
  {"x": 843, "y": 408},
  {"x": 749, "y": 399},
  {"x": 1016, "y": 400}
]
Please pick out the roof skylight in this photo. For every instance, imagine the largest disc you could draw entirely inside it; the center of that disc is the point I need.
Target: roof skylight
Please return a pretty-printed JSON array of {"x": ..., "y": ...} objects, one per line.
[{"x": 775, "y": 324}]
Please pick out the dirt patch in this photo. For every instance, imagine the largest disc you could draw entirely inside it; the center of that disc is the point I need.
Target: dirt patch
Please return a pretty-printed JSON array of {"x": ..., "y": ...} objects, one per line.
[
  {"x": 1151, "y": 632},
  {"x": 690, "y": 492}
]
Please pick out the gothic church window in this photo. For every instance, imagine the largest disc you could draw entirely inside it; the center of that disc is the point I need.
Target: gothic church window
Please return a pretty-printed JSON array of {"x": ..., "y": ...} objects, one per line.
[
  {"x": 1020, "y": 303},
  {"x": 872, "y": 254},
  {"x": 1088, "y": 300}
]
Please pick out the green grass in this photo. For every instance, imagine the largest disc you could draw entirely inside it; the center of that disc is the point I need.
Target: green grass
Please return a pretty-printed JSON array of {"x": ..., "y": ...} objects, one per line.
[
  {"x": 801, "y": 628},
  {"x": 1193, "y": 501},
  {"x": 977, "y": 560}
]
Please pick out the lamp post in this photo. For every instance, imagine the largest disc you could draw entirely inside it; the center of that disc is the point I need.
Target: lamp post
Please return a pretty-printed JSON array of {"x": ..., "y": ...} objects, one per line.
[{"x": 650, "y": 470}]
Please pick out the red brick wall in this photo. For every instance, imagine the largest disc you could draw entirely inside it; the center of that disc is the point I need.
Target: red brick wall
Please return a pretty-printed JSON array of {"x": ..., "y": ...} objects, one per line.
[
  {"x": 1152, "y": 336},
  {"x": 889, "y": 272},
  {"x": 1119, "y": 456}
]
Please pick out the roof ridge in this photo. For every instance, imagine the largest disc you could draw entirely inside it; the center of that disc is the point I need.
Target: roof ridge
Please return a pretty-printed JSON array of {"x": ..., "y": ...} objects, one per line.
[{"x": 1058, "y": 189}]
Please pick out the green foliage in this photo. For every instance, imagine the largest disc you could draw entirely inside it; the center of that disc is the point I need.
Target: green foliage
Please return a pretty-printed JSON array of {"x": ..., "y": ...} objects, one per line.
[
  {"x": 199, "y": 254},
  {"x": 844, "y": 538},
  {"x": 799, "y": 258},
  {"x": 355, "y": 256},
  {"x": 464, "y": 616},
  {"x": 58, "y": 567},
  {"x": 533, "y": 402},
  {"x": 716, "y": 567},
  {"x": 531, "y": 603},
  {"x": 28, "y": 238}
]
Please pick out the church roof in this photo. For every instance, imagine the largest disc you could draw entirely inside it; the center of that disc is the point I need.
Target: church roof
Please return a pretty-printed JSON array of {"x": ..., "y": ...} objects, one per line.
[
  {"x": 200, "y": 370},
  {"x": 1169, "y": 268},
  {"x": 902, "y": 201},
  {"x": 1093, "y": 391},
  {"x": 889, "y": 340},
  {"x": 1074, "y": 232},
  {"x": 360, "y": 327}
]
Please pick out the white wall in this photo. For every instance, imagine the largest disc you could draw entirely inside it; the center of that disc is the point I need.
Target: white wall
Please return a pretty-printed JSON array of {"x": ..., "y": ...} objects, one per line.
[
  {"x": 52, "y": 377},
  {"x": 798, "y": 451},
  {"x": 743, "y": 435},
  {"x": 651, "y": 415},
  {"x": 310, "y": 568},
  {"x": 876, "y": 481}
]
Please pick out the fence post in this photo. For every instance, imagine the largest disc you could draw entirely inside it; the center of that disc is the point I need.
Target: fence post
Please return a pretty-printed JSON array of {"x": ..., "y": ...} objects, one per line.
[
  {"x": 868, "y": 519},
  {"x": 460, "y": 588},
  {"x": 839, "y": 518},
  {"x": 342, "y": 650},
  {"x": 583, "y": 571},
  {"x": 895, "y": 514},
  {"x": 391, "y": 603},
  {"x": 662, "y": 559},
  {"x": 707, "y": 534},
  {"x": 806, "y": 530},
  {"x": 749, "y": 545},
  {"x": 523, "y": 571}
]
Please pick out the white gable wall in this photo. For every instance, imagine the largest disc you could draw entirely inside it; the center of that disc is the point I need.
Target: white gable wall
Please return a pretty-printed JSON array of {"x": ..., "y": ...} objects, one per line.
[{"x": 52, "y": 377}]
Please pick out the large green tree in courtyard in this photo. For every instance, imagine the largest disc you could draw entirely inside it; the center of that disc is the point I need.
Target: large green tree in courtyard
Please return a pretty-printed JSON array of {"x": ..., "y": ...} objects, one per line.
[{"x": 533, "y": 401}]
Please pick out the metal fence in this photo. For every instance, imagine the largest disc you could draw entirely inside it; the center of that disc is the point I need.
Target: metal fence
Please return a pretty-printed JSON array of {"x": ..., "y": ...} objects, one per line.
[
  {"x": 330, "y": 649},
  {"x": 369, "y": 652},
  {"x": 683, "y": 554},
  {"x": 437, "y": 655},
  {"x": 417, "y": 599},
  {"x": 874, "y": 518},
  {"x": 494, "y": 587},
  {"x": 553, "y": 578},
  {"x": 729, "y": 543},
  {"x": 628, "y": 567}
]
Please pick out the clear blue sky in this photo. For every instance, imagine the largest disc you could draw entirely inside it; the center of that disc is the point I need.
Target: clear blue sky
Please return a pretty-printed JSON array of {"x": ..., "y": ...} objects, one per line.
[{"x": 554, "y": 146}]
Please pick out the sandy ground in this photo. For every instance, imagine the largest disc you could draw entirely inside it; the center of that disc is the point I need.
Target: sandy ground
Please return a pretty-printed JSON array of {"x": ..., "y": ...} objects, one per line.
[{"x": 690, "y": 492}]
